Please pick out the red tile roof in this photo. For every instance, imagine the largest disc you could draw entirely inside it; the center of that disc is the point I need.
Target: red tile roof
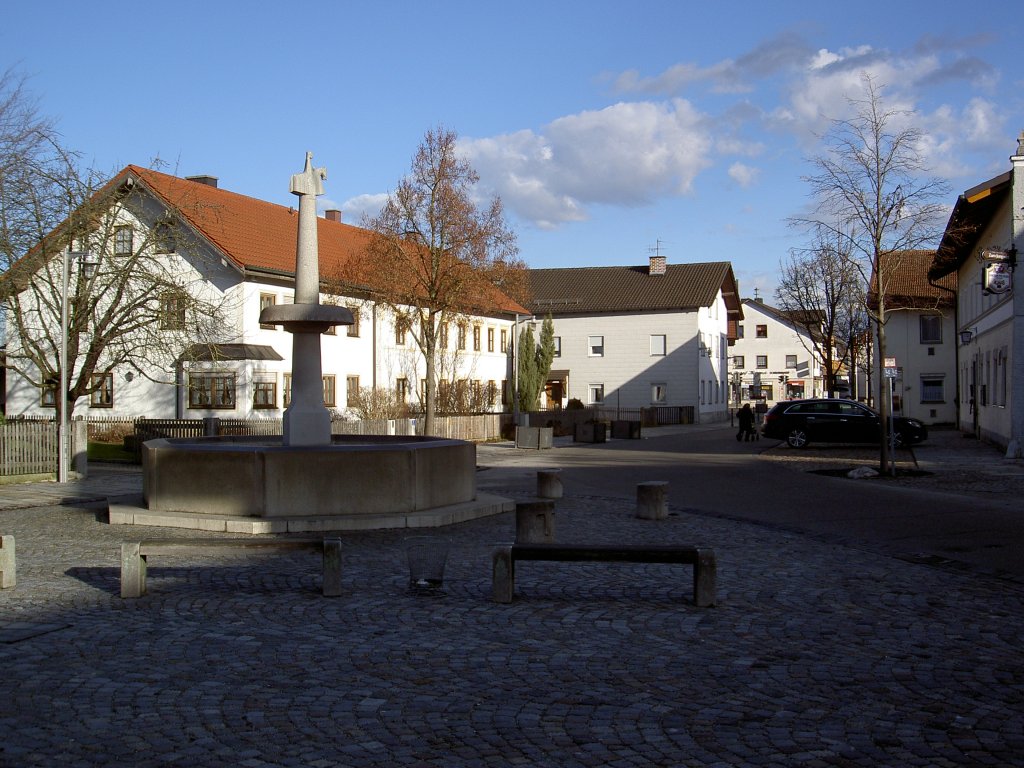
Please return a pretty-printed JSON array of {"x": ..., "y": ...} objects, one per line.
[
  {"x": 907, "y": 282},
  {"x": 255, "y": 234}
]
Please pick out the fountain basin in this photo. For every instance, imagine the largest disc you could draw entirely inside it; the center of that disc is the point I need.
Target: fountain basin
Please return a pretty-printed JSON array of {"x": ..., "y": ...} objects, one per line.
[{"x": 354, "y": 475}]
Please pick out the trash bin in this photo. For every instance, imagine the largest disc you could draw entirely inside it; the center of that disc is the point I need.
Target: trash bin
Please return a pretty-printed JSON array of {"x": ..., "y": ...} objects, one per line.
[{"x": 427, "y": 556}]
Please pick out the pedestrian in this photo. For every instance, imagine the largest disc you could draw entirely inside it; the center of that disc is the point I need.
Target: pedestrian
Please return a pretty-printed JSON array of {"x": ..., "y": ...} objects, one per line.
[{"x": 746, "y": 419}]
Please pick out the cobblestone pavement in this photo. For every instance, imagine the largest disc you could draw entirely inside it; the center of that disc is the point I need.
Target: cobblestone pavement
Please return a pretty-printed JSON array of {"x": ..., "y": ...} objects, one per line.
[{"x": 817, "y": 654}]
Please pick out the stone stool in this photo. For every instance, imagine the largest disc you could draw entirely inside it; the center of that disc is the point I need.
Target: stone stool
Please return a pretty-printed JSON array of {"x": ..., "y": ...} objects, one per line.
[
  {"x": 535, "y": 522},
  {"x": 8, "y": 573},
  {"x": 549, "y": 483},
  {"x": 652, "y": 500}
]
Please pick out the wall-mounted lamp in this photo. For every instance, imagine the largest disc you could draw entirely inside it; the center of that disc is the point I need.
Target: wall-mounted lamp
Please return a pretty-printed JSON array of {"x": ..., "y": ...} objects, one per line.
[{"x": 966, "y": 336}]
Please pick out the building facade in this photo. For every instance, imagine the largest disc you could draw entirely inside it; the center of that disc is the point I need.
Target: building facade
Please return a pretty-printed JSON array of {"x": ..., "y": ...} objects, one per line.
[
  {"x": 231, "y": 256},
  {"x": 980, "y": 245},
  {"x": 640, "y": 337}
]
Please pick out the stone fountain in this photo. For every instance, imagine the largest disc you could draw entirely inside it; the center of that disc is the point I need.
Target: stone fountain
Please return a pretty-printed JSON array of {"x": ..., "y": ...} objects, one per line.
[{"x": 307, "y": 479}]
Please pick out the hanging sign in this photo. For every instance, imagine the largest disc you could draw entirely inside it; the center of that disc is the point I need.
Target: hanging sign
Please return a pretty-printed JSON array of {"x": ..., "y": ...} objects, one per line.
[{"x": 998, "y": 277}]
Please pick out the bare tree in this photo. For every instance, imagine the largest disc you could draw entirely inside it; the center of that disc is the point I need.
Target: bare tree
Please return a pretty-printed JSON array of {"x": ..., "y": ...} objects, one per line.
[
  {"x": 874, "y": 194},
  {"x": 817, "y": 288},
  {"x": 129, "y": 301},
  {"x": 436, "y": 255}
]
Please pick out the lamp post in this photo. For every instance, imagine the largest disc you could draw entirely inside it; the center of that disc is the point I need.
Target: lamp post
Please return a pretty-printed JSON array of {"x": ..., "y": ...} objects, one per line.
[{"x": 63, "y": 427}]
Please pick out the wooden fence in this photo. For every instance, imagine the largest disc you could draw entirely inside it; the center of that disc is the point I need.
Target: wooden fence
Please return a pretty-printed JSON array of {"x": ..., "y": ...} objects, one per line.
[{"x": 28, "y": 448}]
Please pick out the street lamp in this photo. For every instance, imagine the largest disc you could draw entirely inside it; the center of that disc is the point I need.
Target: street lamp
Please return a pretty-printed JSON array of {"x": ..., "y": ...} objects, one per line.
[{"x": 63, "y": 427}]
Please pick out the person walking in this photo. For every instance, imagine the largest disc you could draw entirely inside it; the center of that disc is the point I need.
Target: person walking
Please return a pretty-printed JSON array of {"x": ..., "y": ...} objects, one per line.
[{"x": 746, "y": 419}]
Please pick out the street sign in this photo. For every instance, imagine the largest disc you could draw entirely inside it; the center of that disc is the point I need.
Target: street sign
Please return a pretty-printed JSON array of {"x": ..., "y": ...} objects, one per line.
[{"x": 892, "y": 373}]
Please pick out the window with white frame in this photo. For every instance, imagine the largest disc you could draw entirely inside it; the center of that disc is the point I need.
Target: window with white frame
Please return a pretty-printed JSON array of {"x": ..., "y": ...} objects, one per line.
[
  {"x": 557, "y": 342},
  {"x": 659, "y": 394},
  {"x": 490, "y": 339},
  {"x": 658, "y": 345},
  {"x": 762, "y": 361},
  {"x": 595, "y": 346},
  {"x": 172, "y": 311},
  {"x": 267, "y": 300},
  {"x": 596, "y": 393},
  {"x": 123, "y": 236},
  {"x": 504, "y": 340},
  {"x": 738, "y": 361},
  {"x": 791, "y": 361}
]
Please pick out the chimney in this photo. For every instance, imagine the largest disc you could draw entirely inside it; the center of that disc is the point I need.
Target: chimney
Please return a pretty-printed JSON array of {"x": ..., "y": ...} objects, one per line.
[
  {"x": 657, "y": 265},
  {"x": 333, "y": 214},
  {"x": 210, "y": 181}
]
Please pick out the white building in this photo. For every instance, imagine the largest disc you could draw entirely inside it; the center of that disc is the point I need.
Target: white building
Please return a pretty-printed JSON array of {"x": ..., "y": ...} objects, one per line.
[
  {"x": 920, "y": 336},
  {"x": 238, "y": 254},
  {"x": 981, "y": 243},
  {"x": 773, "y": 358},
  {"x": 640, "y": 337}
]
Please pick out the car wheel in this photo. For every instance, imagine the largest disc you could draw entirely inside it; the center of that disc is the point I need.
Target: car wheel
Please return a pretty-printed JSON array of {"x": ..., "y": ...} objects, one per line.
[{"x": 797, "y": 438}]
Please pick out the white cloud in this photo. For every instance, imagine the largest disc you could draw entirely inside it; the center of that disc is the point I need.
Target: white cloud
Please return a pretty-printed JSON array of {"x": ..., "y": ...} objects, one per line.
[
  {"x": 355, "y": 209},
  {"x": 628, "y": 154},
  {"x": 744, "y": 175}
]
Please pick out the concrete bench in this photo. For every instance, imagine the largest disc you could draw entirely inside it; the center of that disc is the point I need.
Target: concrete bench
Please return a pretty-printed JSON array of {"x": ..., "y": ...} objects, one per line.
[
  {"x": 134, "y": 556},
  {"x": 8, "y": 565},
  {"x": 702, "y": 559}
]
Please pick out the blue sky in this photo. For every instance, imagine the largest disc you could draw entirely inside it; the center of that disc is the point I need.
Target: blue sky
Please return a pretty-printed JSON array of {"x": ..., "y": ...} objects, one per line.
[{"x": 607, "y": 128}]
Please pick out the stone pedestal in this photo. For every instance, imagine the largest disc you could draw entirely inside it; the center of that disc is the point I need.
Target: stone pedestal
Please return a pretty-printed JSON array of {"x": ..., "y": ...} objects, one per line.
[
  {"x": 535, "y": 522},
  {"x": 652, "y": 500}
]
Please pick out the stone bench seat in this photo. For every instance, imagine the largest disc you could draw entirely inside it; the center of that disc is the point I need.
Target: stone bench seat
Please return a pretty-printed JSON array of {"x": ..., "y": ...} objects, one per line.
[
  {"x": 702, "y": 559},
  {"x": 134, "y": 555}
]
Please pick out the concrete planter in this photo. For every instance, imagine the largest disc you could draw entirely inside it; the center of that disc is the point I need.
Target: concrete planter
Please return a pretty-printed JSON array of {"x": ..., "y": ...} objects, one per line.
[
  {"x": 591, "y": 432},
  {"x": 534, "y": 437}
]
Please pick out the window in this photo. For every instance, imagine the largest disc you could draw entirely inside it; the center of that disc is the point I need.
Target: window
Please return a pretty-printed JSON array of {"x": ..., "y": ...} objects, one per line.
[
  {"x": 267, "y": 300},
  {"x": 123, "y": 241},
  {"x": 762, "y": 331},
  {"x": 402, "y": 390},
  {"x": 791, "y": 361},
  {"x": 172, "y": 312},
  {"x": 762, "y": 361},
  {"x": 401, "y": 329},
  {"x": 442, "y": 336},
  {"x": 504, "y": 340},
  {"x": 211, "y": 390},
  {"x": 490, "y": 339},
  {"x": 738, "y": 362},
  {"x": 287, "y": 393},
  {"x": 595, "y": 346},
  {"x": 48, "y": 395},
  {"x": 264, "y": 394},
  {"x": 596, "y": 393},
  {"x": 102, "y": 395},
  {"x": 931, "y": 329},
  {"x": 657, "y": 345},
  {"x": 351, "y": 391},
  {"x": 739, "y": 331},
  {"x": 353, "y": 330},
  {"x": 932, "y": 389},
  {"x": 492, "y": 393},
  {"x": 462, "y": 336},
  {"x": 476, "y": 338},
  {"x": 557, "y": 340},
  {"x": 659, "y": 393},
  {"x": 330, "y": 391}
]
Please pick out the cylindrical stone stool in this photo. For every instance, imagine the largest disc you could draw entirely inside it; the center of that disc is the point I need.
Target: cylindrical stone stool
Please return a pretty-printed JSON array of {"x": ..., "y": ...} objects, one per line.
[
  {"x": 652, "y": 500},
  {"x": 549, "y": 483},
  {"x": 535, "y": 522}
]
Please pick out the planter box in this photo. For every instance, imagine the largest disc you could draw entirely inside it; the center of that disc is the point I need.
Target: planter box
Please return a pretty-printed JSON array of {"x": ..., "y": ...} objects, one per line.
[
  {"x": 534, "y": 437},
  {"x": 626, "y": 430},
  {"x": 591, "y": 432}
]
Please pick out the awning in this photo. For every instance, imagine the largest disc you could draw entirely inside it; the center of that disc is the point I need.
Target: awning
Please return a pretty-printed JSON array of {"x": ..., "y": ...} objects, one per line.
[
  {"x": 795, "y": 382},
  {"x": 210, "y": 353}
]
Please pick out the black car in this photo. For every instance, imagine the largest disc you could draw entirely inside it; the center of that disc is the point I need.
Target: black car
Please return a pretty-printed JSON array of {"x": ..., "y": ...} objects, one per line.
[{"x": 800, "y": 422}]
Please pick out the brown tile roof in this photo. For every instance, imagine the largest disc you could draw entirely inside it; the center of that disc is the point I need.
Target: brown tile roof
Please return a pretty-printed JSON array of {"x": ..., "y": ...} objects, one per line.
[
  {"x": 585, "y": 290},
  {"x": 255, "y": 234},
  {"x": 907, "y": 282}
]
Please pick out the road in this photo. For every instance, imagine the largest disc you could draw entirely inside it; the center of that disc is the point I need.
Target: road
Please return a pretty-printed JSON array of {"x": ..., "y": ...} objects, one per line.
[{"x": 712, "y": 474}]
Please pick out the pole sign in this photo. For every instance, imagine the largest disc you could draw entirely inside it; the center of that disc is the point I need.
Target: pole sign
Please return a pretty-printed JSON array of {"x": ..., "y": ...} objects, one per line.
[{"x": 891, "y": 371}]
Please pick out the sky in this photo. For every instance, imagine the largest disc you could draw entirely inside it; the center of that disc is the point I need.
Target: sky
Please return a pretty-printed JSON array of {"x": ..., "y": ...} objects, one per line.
[{"x": 611, "y": 131}]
